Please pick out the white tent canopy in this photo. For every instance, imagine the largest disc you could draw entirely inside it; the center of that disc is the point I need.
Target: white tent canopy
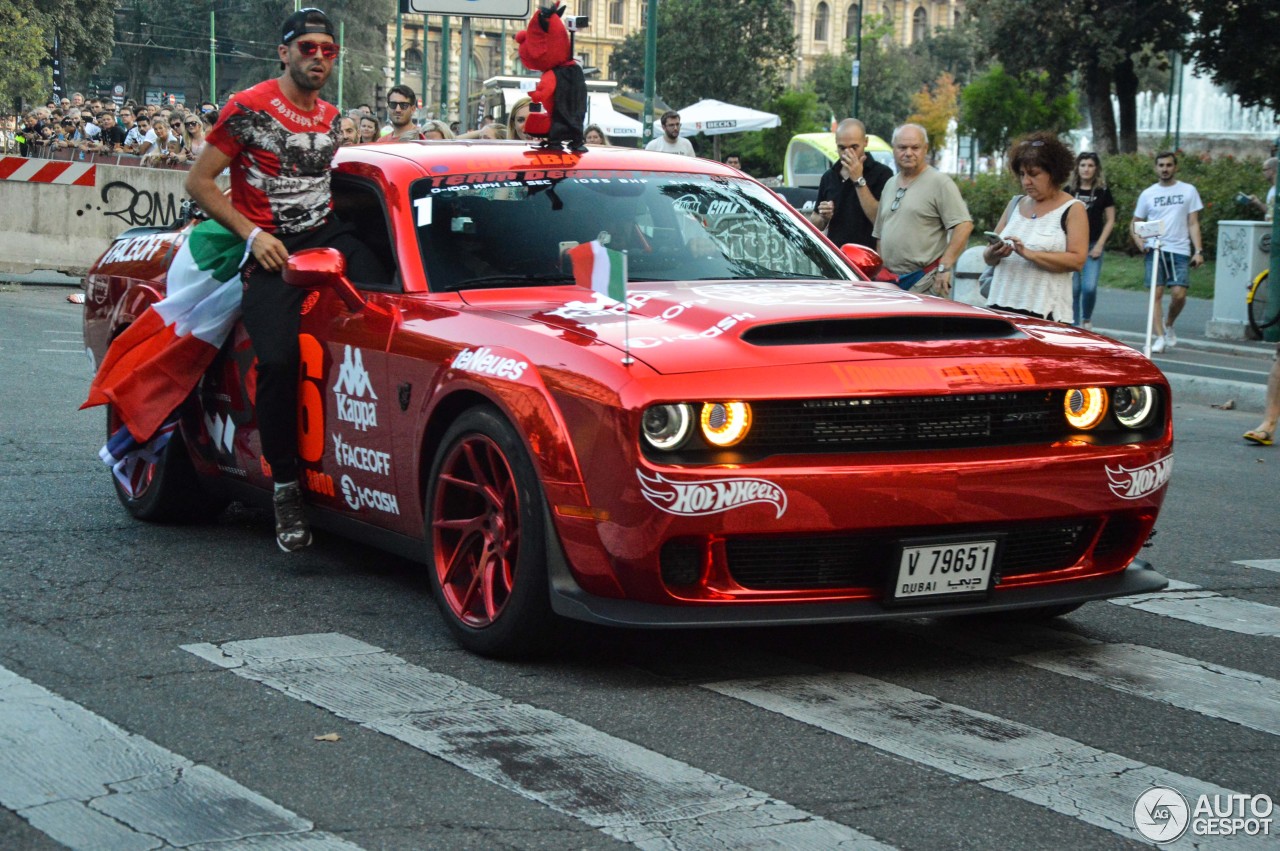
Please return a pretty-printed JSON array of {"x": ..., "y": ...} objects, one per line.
[
  {"x": 714, "y": 117},
  {"x": 600, "y": 111}
]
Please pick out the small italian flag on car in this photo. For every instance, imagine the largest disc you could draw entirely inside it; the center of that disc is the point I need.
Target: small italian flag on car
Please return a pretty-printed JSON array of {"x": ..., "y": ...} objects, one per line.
[{"x": 600, "y": 269}]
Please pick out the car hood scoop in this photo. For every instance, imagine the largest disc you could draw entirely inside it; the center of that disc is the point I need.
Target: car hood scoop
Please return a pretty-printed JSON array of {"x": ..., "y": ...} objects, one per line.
[{"x": 880, "y": 329}]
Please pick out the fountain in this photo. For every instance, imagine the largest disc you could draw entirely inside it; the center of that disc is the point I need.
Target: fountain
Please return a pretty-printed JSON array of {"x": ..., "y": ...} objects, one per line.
[{"x": 1211, "y": 119}]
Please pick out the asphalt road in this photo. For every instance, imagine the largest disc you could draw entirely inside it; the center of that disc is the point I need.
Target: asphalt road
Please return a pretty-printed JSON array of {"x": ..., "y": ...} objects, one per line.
[{"x": 925, "y": 735}]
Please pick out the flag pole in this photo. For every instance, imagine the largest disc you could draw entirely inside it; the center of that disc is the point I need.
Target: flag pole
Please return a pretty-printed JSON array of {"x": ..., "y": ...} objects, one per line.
[{"x": 627, "y": 360}]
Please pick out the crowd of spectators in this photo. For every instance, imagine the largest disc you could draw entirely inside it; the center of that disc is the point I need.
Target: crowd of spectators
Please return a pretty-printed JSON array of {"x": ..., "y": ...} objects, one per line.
[
  {"x": 154, "y": 133},
  {"x": 158, "y": 134}
]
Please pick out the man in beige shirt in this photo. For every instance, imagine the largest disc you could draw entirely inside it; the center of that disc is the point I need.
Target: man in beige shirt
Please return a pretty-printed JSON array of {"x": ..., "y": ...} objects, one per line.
[{"x": 919, "y": 207}]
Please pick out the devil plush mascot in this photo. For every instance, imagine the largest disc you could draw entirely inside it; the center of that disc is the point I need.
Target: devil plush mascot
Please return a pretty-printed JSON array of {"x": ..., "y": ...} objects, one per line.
[{"x": 562, "y": 91}]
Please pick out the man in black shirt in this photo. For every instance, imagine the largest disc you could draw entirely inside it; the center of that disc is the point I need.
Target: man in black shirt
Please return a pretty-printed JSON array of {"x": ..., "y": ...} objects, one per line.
[{"x": 849, "y": 193}]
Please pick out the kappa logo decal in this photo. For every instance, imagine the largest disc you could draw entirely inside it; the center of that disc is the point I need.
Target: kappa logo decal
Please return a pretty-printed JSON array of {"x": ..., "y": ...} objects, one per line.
[
  {"x": 351, "y": 388},
  {"x": 1137, "y": 482},
  {"x": 691, "y": 499}
]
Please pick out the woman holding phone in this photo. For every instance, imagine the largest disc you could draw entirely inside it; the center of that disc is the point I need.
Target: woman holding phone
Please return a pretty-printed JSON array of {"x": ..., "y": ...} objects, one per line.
[{"x": 1043, "y": 236}]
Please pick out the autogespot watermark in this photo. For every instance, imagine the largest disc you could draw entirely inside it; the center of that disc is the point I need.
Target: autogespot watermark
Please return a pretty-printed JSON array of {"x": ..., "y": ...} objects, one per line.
[{"x": 1163, "y": 815}]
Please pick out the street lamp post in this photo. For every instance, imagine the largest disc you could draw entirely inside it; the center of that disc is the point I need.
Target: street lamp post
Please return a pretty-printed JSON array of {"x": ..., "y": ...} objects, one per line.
[
  {"x": 399, "y": 41},
  {"x": 857, "y": 60},
  {"x": 650, "y": 67},
  {"x": 213, "y": 60}
]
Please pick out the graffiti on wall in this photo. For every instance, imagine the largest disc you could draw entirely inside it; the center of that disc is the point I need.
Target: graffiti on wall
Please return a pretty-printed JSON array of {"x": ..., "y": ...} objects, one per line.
[{"x": 140, "y": 207}]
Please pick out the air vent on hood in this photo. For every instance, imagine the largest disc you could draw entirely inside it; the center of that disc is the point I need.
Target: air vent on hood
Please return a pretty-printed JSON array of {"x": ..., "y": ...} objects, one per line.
[{"x": 881, "y": 329}]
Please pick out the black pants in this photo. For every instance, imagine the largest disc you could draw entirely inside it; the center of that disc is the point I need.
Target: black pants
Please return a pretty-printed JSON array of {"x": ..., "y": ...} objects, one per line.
[{"x": 271, "y": 314}]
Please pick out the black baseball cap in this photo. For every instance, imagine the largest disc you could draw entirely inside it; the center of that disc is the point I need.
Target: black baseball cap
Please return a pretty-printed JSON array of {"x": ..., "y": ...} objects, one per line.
[{"x": 306, "y": 21}]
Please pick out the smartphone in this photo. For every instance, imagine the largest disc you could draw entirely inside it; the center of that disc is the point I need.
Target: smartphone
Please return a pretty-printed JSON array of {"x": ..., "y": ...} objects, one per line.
[{"x": 993, "y": 237}]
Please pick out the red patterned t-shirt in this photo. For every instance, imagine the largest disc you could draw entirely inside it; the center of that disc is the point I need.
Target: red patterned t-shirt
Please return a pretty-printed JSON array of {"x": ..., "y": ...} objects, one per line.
[{"x": 280, "y": 157}]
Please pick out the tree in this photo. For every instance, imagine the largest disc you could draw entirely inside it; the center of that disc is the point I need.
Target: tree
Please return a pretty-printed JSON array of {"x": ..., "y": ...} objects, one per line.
[
  {"x": 887, "y": 80},
  {"x": 1234, "y": 41},
  {"x": 998, "y": 107},
  {"x": 1099, "y": 39},
  {"x": 934, "y": 109},
  {"x": 21, "y": 75},
  {"x": 737, "y": 51},
  {"x": 86, "y": 28}
]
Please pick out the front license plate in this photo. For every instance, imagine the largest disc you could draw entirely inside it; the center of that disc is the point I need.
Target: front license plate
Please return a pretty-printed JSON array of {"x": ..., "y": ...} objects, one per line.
[{"x": 944, "y": 569}]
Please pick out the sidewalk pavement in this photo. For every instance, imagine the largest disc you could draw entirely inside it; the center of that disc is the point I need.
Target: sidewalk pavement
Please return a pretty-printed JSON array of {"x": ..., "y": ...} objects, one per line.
[{"x": 1200, "y": 370}]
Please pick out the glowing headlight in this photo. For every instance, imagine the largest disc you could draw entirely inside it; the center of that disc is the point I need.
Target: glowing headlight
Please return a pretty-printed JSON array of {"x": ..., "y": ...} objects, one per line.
[
  {"x": 1133, "y": 406},
  {"x": 667, "y": 427},
  {"x": 725, "y": 423},
  {"x": 1085, "y": 406}
]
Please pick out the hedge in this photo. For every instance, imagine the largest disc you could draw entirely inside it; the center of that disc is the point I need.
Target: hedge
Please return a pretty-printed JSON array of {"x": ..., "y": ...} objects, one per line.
[{"x": 1218, "y": 180}]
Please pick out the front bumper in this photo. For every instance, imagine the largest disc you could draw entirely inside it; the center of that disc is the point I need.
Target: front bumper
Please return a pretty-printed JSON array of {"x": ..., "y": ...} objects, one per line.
[{"x": 570, "y": 601}]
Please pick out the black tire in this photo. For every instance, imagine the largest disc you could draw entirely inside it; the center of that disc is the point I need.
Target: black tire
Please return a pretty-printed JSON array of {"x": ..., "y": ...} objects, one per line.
[
  {"x": 169, "y": 490},
  {"x": 484, "y": 521},
  {"x": 1257, "y": 303}
]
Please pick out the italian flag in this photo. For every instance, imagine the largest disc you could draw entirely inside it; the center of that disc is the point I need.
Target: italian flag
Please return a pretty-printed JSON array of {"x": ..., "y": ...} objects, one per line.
[
  {"x": 154, "y": 365},
  {"x": 600, "y": 269}
]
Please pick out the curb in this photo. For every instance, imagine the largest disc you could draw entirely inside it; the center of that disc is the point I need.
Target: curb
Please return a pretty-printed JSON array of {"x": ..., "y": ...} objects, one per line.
[
  {"x": 1259, "y": 350},
  {"x": 1199, "y": 390}
]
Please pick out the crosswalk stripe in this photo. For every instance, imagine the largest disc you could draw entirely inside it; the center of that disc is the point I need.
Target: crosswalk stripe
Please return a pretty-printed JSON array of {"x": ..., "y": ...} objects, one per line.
[
  {"x": 629, "y": 792},
  {"x": 1244, "y": 698},
  {"x": 89, "y": 784},
  {"x": 1193, "y": 604},
  {"x": 1271, "y": 564},
  {"x": 1060, "y": 774}
]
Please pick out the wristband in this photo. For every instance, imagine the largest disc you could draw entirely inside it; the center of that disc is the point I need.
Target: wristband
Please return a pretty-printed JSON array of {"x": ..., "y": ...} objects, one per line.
[{"x": 253, "y": 234}]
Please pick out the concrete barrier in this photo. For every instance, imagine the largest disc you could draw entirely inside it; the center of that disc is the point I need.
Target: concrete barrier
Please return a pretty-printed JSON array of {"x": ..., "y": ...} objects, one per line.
[
  {"x": 964, "y": 281},
  {"x": 60, "y": 214}
]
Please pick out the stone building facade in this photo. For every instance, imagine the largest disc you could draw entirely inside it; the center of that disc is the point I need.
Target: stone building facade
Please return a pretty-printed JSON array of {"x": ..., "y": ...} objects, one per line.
[{"x": 822, "y": 26}]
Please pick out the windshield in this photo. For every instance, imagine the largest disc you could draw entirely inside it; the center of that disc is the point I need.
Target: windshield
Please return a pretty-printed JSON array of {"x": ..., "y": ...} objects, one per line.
[{"x": 513, "y": 229}]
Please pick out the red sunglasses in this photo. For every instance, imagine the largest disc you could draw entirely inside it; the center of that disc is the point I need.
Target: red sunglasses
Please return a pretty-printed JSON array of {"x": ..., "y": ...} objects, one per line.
[{"x": 328, "y": 49}]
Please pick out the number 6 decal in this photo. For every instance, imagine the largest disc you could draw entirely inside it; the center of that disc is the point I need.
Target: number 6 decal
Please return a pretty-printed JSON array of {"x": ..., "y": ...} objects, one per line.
[{"x": 310, "y": 399}]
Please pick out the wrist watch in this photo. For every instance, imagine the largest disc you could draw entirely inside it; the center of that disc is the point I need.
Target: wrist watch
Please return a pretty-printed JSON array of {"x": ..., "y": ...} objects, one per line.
[
  {"x": 942, "y": 267},
  {"x": 861, "y": 181}
]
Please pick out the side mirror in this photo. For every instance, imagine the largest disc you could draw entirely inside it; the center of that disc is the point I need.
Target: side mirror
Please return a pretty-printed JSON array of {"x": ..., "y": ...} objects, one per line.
[
  {"x": 864, "y": 259},
  {"x": 323, "y": 268}
]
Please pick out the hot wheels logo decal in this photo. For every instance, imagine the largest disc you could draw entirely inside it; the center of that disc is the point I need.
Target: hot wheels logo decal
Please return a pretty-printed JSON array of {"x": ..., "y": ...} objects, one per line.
[
  {"x": 691, "y": 499},
  {"x": 1137, "y": 482}
]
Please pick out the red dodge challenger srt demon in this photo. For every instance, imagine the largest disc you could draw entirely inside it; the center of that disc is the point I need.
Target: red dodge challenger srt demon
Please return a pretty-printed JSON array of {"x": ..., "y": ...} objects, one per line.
[{"x": 759, "y": 435}]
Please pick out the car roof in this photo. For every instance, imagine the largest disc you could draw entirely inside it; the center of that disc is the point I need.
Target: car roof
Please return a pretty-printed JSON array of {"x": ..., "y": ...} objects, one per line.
[{"x": 410, "y": 160}]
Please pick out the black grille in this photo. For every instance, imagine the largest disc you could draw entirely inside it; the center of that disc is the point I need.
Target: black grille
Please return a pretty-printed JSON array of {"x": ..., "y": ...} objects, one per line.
[
  {"x": 899, "y": 422},
  {"x": 853, "y": 561}
]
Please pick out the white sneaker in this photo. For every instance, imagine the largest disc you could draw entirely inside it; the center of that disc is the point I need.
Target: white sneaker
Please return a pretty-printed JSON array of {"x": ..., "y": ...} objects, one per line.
[
  {"x": 1088, "y": 326},
  {"x": 1157, "y": 345},
  {"x": 1170, "y": 338}
]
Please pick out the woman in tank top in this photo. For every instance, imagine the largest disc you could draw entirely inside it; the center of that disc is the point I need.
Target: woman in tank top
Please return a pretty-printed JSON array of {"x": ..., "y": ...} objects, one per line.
[{"x": 1044, "y": 234}]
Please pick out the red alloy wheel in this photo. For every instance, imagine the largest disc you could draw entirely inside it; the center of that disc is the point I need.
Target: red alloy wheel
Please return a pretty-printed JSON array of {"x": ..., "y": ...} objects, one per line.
[{"x": 475, "y": 521}]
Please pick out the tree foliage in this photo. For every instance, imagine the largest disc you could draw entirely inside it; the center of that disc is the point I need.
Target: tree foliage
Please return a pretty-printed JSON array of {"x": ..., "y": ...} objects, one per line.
[
  {"x": 1235, "y": 41},
  {"x": 21, "y": 75},
  {"x": 998, "y": 107},
  {"x": 935, "y": 107},
  {"x": 1104, "y": 40},
  {"x": 890, "y": 73},
  {"x": 737, "y": 51},
  {"x": 86, "y": 29}
]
